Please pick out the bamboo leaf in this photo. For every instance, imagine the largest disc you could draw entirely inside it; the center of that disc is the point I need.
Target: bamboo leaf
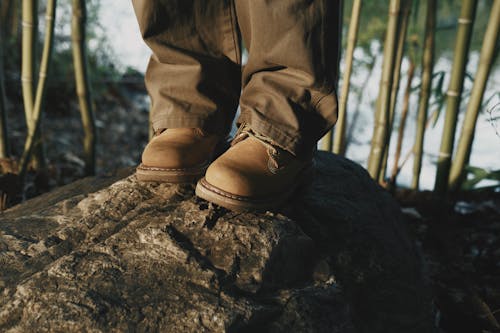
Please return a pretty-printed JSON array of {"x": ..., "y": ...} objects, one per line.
[
  {"x": 439, "y": 89},
  {"x": 488, "y": 100},
  {"x": 415, "y": 10},
  {"x": 469, "y": 77},
  {"x": 439, "y": 109},
  {"x": 478, "y": 175}
]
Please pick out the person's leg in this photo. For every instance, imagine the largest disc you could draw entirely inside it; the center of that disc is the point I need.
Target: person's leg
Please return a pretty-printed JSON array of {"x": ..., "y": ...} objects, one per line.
[
  {"x": 289, "y": 82},
  {"x": 287, "y": 104},
  {"x": 194, "y": 81}
]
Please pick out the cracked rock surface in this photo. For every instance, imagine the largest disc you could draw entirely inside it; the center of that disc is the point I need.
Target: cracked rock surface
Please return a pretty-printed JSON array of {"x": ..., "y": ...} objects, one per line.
[{"x": 107, "y": 255}]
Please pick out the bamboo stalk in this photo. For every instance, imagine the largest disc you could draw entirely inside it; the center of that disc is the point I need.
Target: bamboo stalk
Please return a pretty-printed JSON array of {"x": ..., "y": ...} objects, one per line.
[
  {"x": 327, "y": 141},
  {"x": 29, "y": 40},
  {"x": 14, "y": 24},
  {"x": 4, "y": 143},
  {"x": 454, "y": 93},
  {"x": 40, "y": 91},
  {"x": 469, "y": 125},
  {"x": 9, "y": 19},
  {"x": 28, "y": 57},
  {"x": 5, "y": 8},
  {"x": 339, "y": 141},
  {"x": 402, "y": 122},
  {"x": 403, "y": 28},
  {"x": 82, "y": 83},
  {"x": 425, "y": 89},
  {"x": 383, "y": 104}
]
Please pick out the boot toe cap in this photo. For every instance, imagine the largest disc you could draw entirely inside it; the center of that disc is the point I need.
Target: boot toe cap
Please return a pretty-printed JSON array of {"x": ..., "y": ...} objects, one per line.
[{"x": 232, "y": 179}]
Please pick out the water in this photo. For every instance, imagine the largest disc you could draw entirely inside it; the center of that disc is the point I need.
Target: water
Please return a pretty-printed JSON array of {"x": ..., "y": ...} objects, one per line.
[
  {"x": 123, "y": 35},
  {"x": 130, "y": 50}
]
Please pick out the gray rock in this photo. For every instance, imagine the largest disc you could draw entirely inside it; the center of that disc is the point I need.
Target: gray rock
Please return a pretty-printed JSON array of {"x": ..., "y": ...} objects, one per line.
[{"x": 152, "y": 257}]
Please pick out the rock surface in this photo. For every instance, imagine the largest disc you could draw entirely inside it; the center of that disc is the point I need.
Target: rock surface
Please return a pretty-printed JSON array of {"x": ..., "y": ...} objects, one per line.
[{"x": 100, "y": 255}]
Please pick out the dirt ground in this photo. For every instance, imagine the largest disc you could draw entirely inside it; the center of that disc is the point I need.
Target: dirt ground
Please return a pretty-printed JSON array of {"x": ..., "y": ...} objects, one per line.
[
  {"x": 459, "y": 237},
  {"x": 460, "y": 242}
]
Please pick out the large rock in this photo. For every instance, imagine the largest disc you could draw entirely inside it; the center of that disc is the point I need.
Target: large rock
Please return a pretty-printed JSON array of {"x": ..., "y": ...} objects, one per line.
[{"x": 152, "y": 257}]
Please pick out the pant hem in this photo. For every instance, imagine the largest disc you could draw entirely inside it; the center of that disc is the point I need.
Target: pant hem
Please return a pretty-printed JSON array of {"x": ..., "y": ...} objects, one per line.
[
  {"x": 292, "y": 143},
  {"x": 211, "y": 125}
]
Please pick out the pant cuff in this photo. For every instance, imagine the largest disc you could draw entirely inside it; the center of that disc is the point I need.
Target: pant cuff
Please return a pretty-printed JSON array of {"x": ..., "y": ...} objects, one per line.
[
  {"x": 291, "y": 142},
  {"x": 215, "y": 124}
]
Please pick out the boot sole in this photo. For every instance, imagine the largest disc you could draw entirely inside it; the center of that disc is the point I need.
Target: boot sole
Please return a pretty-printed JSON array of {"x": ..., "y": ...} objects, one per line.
[
  {"x": 237, "y": 203},
  {"x": 145, "y": 173}
]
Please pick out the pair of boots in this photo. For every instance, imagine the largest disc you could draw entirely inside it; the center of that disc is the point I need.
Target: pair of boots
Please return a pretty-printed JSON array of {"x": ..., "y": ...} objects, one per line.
[
  {"x": 196, "y": 79},
  {"x": 253, "y": 174}
]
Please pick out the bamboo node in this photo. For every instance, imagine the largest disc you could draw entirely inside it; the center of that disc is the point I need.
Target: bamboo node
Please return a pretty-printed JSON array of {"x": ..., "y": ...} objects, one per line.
[
  {"x": 26, "y": 24},
  {"x": 26, "y": 79},
  {"x": 452, "y": 93},
  {"x": 444, "y": 155},
  {"x": 49, "y": 18},
  {"x": 462, "y": 20}
]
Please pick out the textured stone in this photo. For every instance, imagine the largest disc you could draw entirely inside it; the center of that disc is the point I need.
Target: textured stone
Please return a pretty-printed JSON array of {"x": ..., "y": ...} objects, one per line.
[{"x": 152, "y": 257}]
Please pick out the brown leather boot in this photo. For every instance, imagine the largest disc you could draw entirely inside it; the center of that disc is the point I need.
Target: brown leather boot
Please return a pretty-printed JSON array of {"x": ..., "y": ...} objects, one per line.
[
  {"x": 177, "y": 155},
  {"x": 253, "y": 174}
]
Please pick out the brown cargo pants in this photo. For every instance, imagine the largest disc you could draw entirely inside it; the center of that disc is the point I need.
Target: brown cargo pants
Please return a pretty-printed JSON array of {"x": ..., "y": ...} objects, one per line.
[{"x": 287, "y": 89}]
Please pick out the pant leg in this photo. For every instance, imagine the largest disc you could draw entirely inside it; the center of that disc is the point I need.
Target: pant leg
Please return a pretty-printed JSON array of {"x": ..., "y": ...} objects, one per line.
[
  {"x": 194, "y": 74},
  {"x": 289, "y": 82}
]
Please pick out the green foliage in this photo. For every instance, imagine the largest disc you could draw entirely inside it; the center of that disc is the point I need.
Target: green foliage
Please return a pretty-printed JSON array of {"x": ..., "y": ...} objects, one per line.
[
  {"x": 60, "y": 81},
  {"x": 100, "y": 56},
  {"x": 373, "y": 23},
  {"x": 477, "y": 175}
]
